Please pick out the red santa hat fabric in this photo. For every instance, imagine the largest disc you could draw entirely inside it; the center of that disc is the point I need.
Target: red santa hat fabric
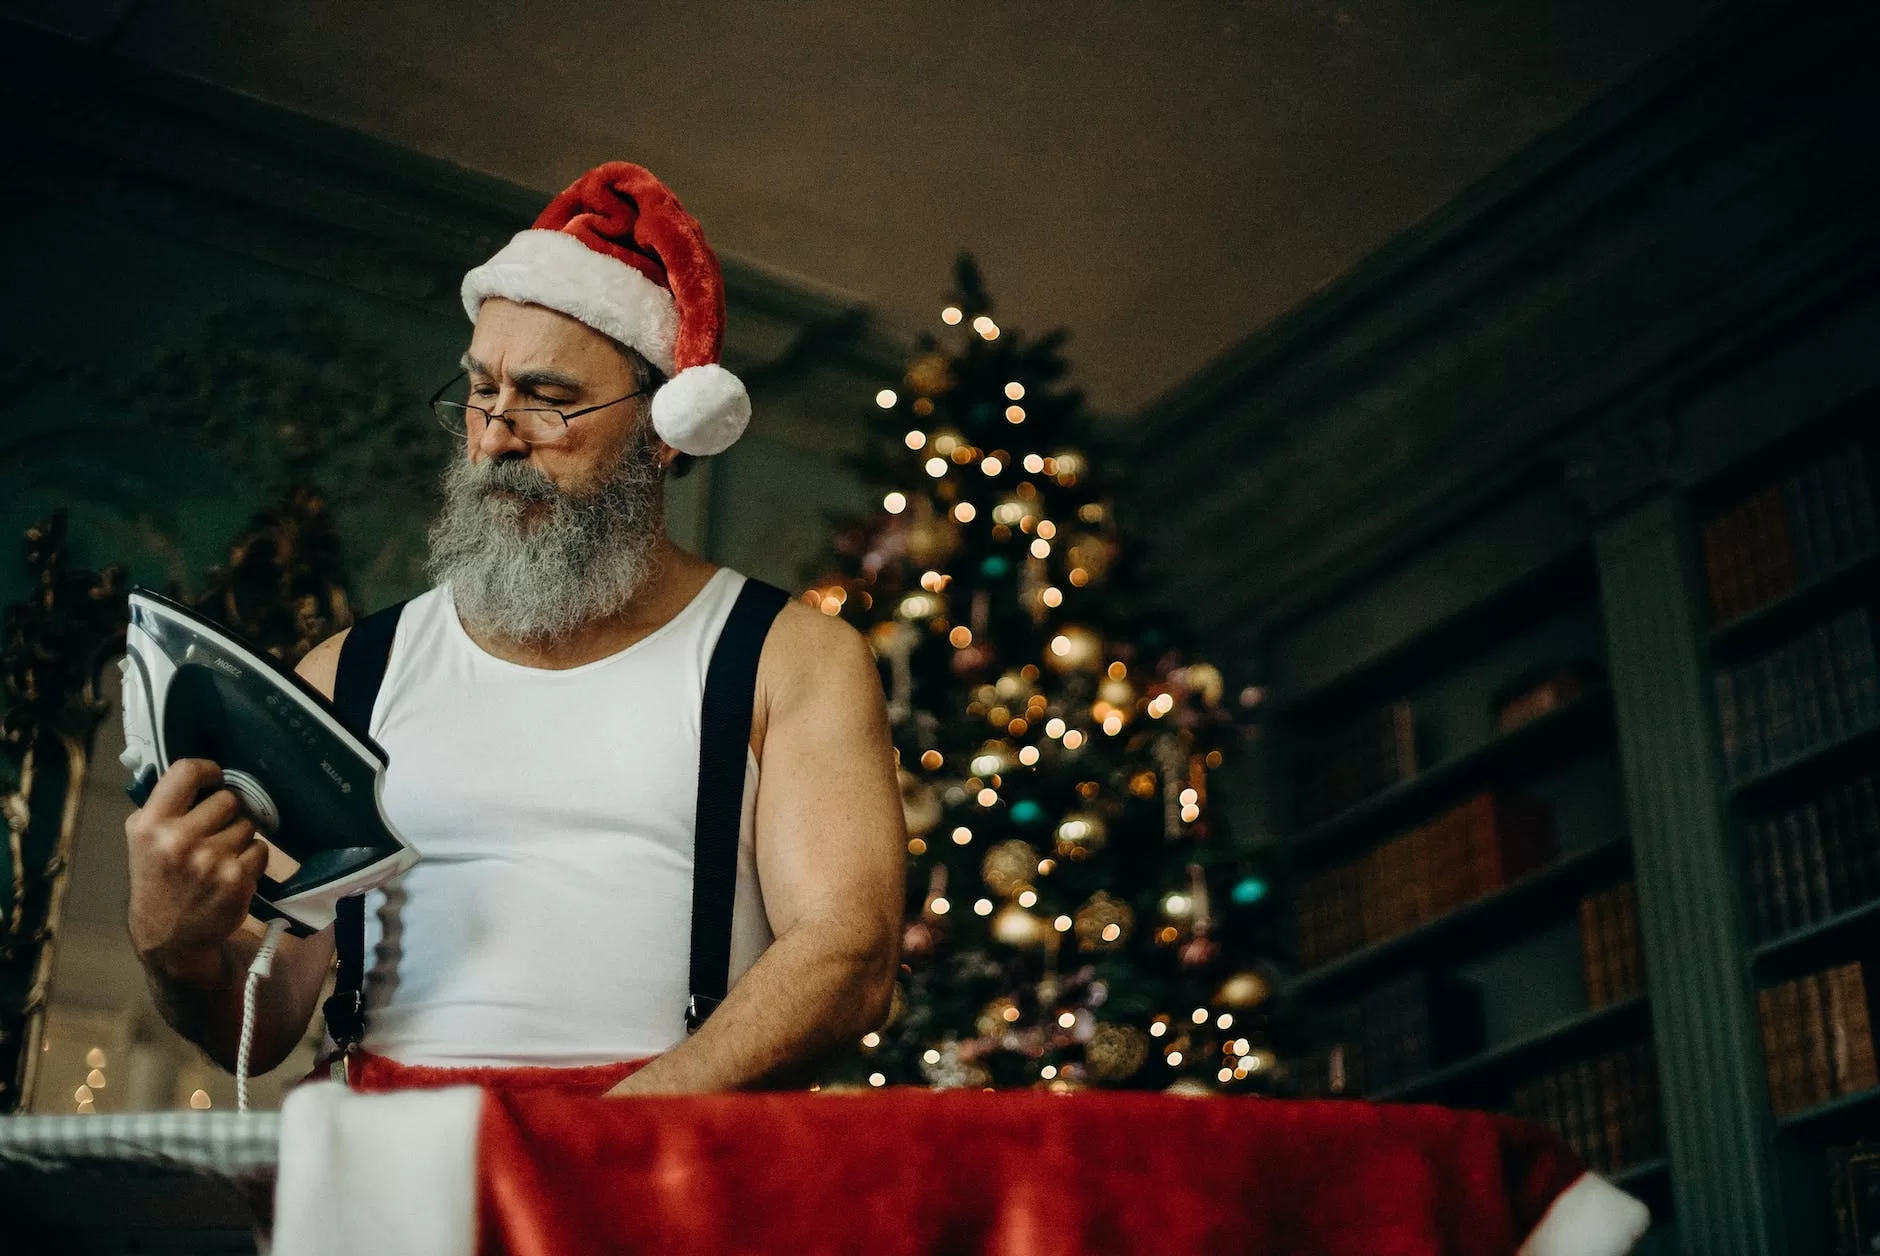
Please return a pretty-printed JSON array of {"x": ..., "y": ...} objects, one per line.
[{"x": 618, "y": 252}]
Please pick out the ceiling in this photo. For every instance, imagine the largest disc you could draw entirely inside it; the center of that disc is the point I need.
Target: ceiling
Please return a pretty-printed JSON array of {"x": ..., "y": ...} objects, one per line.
[{"x": 1163, "y": 176}]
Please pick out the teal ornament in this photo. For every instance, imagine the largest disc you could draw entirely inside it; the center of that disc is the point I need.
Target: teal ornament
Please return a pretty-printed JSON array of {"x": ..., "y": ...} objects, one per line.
[
  {"x": 995, "y": 566},
  {"x": 1249, "y": 891},
  {"x": 1026, "y": 811}
]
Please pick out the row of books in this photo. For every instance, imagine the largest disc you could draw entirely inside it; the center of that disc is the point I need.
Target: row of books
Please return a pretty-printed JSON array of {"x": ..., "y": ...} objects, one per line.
[
  {"x": 1610, "y": 954},
  {"x": 1814, "y": 689},
  {"x": 1356, "y": 759},
  {"x": 1605, "y": 1107},
  {"x": 1473, "y": 850},
  {"x": 1398, "y": 1031},
  {"x": 1790, "y": 532},
  {"x": 1817, "y": 1038},
  {"x": 1815, "y": 859}
]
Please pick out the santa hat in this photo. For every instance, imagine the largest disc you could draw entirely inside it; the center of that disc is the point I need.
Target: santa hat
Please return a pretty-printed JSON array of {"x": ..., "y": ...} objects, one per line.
[{"x": 619, "y": 253}]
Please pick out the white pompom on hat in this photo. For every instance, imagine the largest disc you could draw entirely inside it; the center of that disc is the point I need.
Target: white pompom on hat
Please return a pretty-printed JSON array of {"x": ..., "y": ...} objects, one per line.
[{"x": 619, "y": 253}]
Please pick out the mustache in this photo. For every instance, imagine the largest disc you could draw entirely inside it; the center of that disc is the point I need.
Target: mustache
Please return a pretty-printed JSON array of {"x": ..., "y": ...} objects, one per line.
[{"x": 516, "y": 476}]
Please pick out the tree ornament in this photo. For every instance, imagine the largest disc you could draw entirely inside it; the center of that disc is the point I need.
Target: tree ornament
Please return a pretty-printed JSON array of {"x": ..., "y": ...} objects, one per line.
[
  {"x": 919, "y": 941},
  {"x": 1075, "y": 649},
  {"x": 931, "y": 536},
  {"x": 1202, "y": 679},
  {"x": 1201, "y": 950},
  {"x": 1119, "y": 693},
  {"x": 1115, "y": 1052},
  {"x": 1081, "y": 834},
  {"x": 1013, "y": 926},
  {"x": 973, "y": 660},
  {"x": 1243, "y": 991},
  {"x": 997, "y": 1017},
  {"x": 920, "y": 805},
  {"x": 930, "y": 374},
  {"x": 1091, "y": 554},
  {"x": 1103, "y": 923},
  {"x": 953, "y": 1070},
  {"x": 1009, "y": 867}
]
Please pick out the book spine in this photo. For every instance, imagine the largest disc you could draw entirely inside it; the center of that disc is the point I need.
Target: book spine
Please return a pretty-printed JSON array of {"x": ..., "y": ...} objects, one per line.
[
  {"x": 1758, "y": 703},
  {"x": 1815, "y": 503},
  {"x": 1861, "y": 1070},
  {"x": 1801, "y": 534},
  {"x": 1592, "y": 961},
  {"x": 1794, "y": 1045},
  {"x": 1769, "y": 835},
  {"x": 1619, "y": 1151},
  {"x": 1817, "y": 1070},
  {"x": 1815, "y": 860},
  {"x": 1863, "y": 818},
  {"x": 1836, "y": 718},
  {"x": 1631, "y": 944},
  {"x": 1801, "y": 884},
  {"x": 1809, "y": 681},
  {"x": 1766, "y": 1015},
  {"x": 1592, "y": 1115}
]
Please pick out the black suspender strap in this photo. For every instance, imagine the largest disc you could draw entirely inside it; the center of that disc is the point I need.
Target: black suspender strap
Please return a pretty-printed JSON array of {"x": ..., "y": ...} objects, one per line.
[
  {"x": 362, "y": 659},
  {"x": 724, "y": 742}
]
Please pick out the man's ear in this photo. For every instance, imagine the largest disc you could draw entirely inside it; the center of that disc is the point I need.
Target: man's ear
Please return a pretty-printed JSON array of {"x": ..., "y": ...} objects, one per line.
[{"x": 665, "y": 454}]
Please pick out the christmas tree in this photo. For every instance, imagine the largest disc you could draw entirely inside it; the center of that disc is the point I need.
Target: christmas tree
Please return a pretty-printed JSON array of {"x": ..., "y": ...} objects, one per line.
[{"x": 1077, "y": 913}]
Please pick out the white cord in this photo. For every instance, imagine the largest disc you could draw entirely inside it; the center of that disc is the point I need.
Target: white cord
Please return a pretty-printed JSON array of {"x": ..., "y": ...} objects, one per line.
[{"x": 263, "y": 964}]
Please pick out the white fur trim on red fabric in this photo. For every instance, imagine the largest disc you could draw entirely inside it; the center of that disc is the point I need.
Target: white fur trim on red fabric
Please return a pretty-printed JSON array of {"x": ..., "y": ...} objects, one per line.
[
  {"x": 377, "y": 1173},
  {"x": 1590, "y": 1218},
  {"x": 553, "y": 269},
  {"x": 702, "y": 410}
]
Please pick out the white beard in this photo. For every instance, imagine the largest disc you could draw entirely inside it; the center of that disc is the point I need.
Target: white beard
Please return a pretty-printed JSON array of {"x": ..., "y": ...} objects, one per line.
[{"x": 581, "y": 559}]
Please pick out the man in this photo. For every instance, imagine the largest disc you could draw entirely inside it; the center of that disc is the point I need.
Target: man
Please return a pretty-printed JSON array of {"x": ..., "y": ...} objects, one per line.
[{"x": 541, "y": 711}]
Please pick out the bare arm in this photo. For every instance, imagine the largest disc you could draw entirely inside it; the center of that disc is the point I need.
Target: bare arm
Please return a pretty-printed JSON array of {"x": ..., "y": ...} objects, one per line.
[
  {"x": 830, "y": 841},
  {"x": 194, "y": 864}
]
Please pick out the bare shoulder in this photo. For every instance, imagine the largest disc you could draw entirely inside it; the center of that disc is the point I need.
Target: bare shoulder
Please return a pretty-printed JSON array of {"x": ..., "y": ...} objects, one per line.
[
  {"x": 808, "y": 651},
  {"x": 321, "y": 663}
]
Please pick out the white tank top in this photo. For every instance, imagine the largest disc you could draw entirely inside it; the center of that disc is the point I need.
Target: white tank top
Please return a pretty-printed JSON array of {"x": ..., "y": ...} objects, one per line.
[{"x": 549, "y": 919}]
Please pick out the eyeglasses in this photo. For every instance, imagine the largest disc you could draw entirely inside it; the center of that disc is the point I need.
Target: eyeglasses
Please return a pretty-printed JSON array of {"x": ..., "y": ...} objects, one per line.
[{"x": 534, "y": 426}]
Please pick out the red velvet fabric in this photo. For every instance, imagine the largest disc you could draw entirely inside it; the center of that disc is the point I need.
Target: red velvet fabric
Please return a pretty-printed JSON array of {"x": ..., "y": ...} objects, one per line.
[
  {"x": 369, "y": 1072},
  {"x": 624, "y": 211},
  {"x": 1006, "y": 1174}
]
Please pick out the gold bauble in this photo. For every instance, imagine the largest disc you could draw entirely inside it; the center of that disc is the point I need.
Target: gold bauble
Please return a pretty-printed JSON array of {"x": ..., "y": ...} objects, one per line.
[
  {"x": 1100, "y": 914},
  {"x": 1009, "y": 867},
  {"x": 1115, "y": 1052},
  {"x": 890, "y": 639},
  {"x": 1206, "y": 680},
  {"x": 931, "y": 541},
  {"x": 1074, "y": 649},
  {"x": 1081, "y": 834},
  {"x": 1090, "y": 552},
  {"x": 1014, "y": 690},
  {"x": 1014, "y": 926},
  {"x": 920, "y": 805},
  {"x": 930, "y": 374},
  {"x": 997, "y": 1017},
  {"x": 1245, "y": 989}
]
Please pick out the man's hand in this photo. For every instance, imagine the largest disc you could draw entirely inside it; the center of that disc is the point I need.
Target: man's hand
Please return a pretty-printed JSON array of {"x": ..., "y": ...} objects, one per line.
[{"x": 194, "y": 865}]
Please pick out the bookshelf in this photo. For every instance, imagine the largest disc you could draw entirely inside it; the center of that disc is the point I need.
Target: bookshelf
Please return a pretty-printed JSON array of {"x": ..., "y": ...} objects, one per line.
[
  {"x": 1490, "y": 959},
  {"x": 1788, "y": 557}
]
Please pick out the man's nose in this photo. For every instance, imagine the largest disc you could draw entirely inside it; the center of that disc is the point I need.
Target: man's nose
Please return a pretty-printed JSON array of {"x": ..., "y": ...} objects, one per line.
[{"x": 498, "y": 440}]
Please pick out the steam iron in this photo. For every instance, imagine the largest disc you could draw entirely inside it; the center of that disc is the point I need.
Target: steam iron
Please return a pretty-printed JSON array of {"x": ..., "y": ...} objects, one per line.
[{"x": 193, "y": 690}]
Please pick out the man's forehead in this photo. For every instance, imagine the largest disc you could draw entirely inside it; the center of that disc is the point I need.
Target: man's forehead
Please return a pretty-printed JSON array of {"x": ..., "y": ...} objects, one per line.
[{"x": 520, "y": 368}]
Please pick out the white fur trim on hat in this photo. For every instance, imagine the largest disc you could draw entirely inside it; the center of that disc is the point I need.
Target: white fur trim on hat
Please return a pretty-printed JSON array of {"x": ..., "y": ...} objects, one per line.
[
  {"x": 555, "y": 270},
  {"x": 702, "y": 410},
  {"x": 1592, "y": 1217}
]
